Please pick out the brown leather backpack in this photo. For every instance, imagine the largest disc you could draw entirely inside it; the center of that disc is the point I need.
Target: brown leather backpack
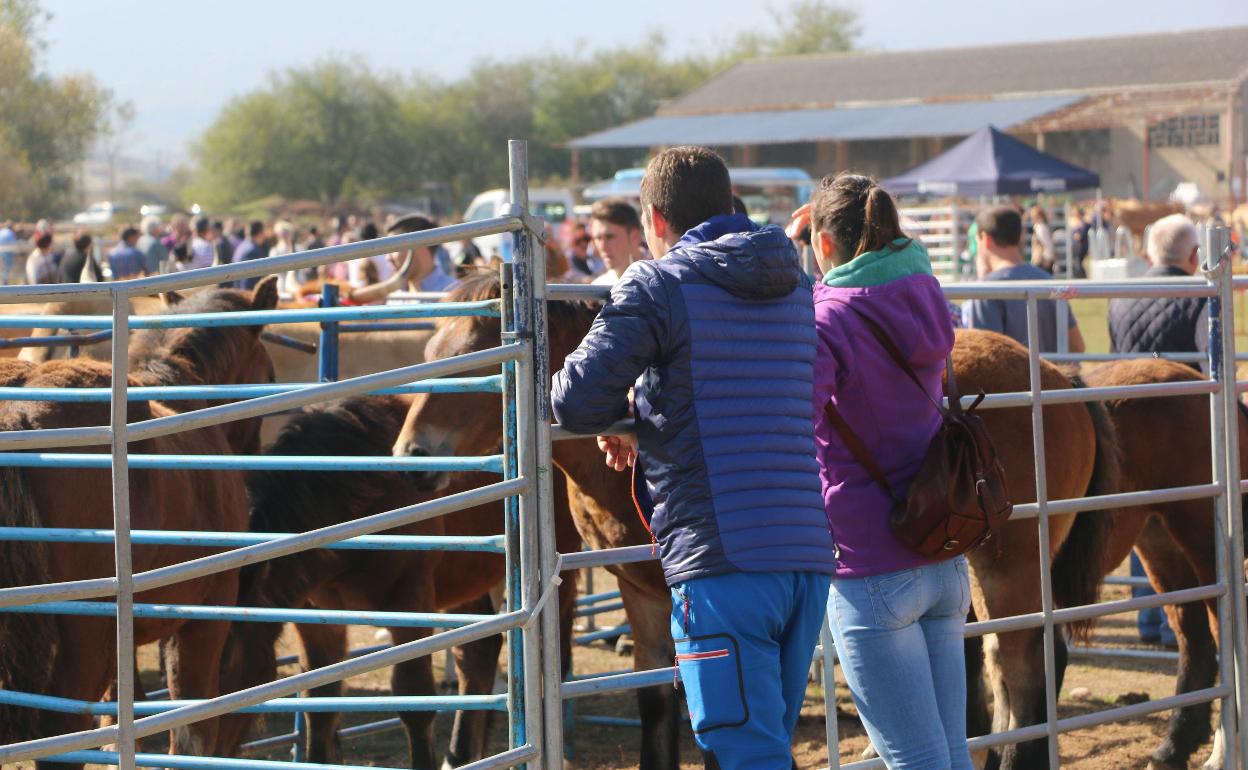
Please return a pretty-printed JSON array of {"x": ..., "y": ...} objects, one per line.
[{"x": 959, "y": 497}]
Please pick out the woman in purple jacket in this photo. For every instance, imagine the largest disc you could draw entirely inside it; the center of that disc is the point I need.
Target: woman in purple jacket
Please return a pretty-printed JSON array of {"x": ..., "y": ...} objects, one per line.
[{"x": 897, "y": 618}]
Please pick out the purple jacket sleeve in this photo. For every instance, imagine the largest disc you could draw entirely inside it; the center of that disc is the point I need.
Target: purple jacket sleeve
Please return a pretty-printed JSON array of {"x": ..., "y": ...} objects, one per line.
[{"x": 591, "y": 392}]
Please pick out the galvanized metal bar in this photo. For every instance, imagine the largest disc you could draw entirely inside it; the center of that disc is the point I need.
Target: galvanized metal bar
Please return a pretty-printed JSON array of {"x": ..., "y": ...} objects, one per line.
[
  {"x": 256, "y": 614},
  {"x": 241, "y": 557},
  {"x": 1123, "y": 652},
  {"x": 1119, "y": 500},
  {"x": 511, "y": 521},
  {"x": 628, "y": 554},
  {"x": 1021, "y": 290},
  {"x": 487, "y": 384},
  {"x": 258, "y": 407},
  {"x": 601, "y": 685},
  {"x": 589, "y": 599},
  {"x": 122, "y": 557},
  {"x": 487, "y": 307},
  {"x": 1042, "y": 501},
  {"x": 602, "y": 633},
  {"x": 827, "y": 650},
  {"x": 1219, "y": 243},
  {"x": 354, "y": 704},
  {"x": 1098, "y": 610},
  {"x": 1217, "y": 267},
  {"x": 260, "y": 267},
  {"x": 251, "y": 696},
  {"x": 527, "y": 454},
  {"x": 182, "y": 762},
  {"x": 483, "y": 543},
  {"x": 361, "y": 328},
  {"x": 327, "y": 355},
  {"x": 1069, "y": 724},
  {"x": 488, "y": 463}
]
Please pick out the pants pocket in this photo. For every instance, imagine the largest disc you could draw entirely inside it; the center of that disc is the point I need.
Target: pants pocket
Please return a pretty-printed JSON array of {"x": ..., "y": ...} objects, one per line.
[
  {"x": 964, "y": 584},
  {"x": 710, "y": 668},
  {"x": 897, "y": 598}
]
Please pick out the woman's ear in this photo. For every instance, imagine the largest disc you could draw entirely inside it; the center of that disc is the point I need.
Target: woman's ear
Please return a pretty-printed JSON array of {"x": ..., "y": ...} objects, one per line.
[{"x": 825, "y": 249}]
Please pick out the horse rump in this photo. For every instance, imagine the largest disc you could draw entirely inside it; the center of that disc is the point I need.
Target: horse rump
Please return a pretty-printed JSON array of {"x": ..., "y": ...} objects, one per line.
[
  {"x": 28, "y": 642},
  {"x": 1078, "y": 572}
]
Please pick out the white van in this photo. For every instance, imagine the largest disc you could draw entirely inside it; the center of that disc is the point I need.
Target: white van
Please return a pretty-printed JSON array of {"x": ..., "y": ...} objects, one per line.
[{"x": 551, "y": 204}]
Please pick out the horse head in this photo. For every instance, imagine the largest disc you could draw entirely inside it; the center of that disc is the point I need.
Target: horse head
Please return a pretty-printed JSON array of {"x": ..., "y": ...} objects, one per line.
[{"x": 462, "y": 424}]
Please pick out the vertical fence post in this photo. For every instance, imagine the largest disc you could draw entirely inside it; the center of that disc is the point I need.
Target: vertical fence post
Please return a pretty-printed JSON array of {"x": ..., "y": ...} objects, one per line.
[
  {"x": 526, "y": 447},
  {"x": 1228, "y": 570},
  {"x": 1042, "y": 504},
  {"x": 1218, "y": 242},
  {"x": 831, "y": 726},
  {"x": 511, "y": 527},
  {"x": 327, "y": 361},
  {"x": 121, "y": 527}
]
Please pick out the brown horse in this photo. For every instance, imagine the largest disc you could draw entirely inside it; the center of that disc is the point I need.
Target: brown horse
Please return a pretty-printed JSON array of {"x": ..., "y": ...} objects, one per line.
[
  {"x": 393, "y": 581},
  {"x": 74, "y": 656},
  {"x": 1174, "y": 540},
  {"x": 602, "y": 506}
]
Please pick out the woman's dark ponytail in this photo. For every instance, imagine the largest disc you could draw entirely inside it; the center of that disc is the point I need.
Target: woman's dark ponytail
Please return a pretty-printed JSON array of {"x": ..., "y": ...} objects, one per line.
[{"x": 858, "y": 213}]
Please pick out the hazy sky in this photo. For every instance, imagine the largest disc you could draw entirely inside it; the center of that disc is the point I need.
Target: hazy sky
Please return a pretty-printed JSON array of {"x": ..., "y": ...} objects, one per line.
[{"x": 179, "y": 63}]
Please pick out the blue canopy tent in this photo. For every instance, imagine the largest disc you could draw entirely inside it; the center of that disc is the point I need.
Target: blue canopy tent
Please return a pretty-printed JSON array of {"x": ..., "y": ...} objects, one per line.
[{"x": 990, "y": 162}]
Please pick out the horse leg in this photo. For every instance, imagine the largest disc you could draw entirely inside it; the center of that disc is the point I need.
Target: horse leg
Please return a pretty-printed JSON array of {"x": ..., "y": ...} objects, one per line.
[
  {"x": 320, "y": 646},
  {"x": 80, "y": 675},
  {"x": 978, "y": 720},
  {"x": 476, "y": 665},
  {"x": 415, "y": 677},
  {"x": 189, "y": 676},
  {"x": 1169, "y": 569},
  {"x": 649, "y": 616}
]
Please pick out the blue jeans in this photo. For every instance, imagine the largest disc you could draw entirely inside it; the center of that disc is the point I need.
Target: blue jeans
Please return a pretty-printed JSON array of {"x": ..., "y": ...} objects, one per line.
[
  {"x": 899, "y": 640},
  {"x": 744, "y": 642}
]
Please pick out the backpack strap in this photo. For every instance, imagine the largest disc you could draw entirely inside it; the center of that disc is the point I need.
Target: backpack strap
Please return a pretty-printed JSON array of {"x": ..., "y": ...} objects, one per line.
[{"x": 858, "y": 449}]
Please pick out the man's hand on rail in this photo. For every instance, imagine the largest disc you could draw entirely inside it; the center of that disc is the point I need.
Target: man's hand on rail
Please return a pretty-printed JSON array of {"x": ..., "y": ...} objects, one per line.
[{"x": 621, "y": 451}]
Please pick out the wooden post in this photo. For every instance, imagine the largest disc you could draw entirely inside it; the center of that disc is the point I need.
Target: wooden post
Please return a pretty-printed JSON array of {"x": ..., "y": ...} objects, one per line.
[{"x": 842, "y": 155}]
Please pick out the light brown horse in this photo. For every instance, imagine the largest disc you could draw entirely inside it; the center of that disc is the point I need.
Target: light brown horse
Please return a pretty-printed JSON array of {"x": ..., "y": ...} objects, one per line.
[
  {"x": 389, "y": 581},
  {"x": 74, "y": 656}
]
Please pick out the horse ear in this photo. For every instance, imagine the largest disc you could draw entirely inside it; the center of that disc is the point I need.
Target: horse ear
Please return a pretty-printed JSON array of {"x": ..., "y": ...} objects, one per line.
[
  {"x": 171, "y": 298},
  {"x": 264, "y": 296}
]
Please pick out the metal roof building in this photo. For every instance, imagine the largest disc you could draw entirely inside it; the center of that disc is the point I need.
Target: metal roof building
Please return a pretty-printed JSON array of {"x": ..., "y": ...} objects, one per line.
[{"x": 1143, "y": 111}]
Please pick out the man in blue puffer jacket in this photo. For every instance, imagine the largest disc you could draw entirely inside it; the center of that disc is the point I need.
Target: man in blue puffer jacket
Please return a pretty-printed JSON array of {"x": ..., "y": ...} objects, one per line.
[{"x": 717, "y": 339}]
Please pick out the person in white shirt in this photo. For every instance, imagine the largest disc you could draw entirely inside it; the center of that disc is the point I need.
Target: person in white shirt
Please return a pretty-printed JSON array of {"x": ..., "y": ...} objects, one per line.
[
  {"x": 203, "y": 250},
  {"x": 615, "y": 229},
  {"x": 40, "y": 267}
]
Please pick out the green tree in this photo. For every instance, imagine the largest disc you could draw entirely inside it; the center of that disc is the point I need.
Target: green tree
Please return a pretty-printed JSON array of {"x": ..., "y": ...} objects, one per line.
[
  {"x": 47, "y": 123},
  {"x": 330, "y": 132}
]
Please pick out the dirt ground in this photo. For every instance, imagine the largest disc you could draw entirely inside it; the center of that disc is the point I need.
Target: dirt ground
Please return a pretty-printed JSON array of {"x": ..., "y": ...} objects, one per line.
[{"x": 597, "y": 747}]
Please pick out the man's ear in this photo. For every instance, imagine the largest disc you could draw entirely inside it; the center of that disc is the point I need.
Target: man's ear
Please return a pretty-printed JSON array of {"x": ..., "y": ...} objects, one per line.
[
  {"x": 658, "y": 223},
  {"x": 171, "y": 299}
]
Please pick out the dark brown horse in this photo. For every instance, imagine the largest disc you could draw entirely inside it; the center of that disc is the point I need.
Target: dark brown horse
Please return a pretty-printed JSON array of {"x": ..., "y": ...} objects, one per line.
[
  {"x": 601, "y": 500},
  {"x": 392, "y": 581},
  {"x": 1165, "y": 443},
  {"x": 74, "y": 656}
]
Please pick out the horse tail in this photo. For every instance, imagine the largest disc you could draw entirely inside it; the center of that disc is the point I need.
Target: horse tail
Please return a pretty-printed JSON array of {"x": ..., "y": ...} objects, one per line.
[
  {"x": 1079, "y": 569},
  {"x": 28, "y": 642}
]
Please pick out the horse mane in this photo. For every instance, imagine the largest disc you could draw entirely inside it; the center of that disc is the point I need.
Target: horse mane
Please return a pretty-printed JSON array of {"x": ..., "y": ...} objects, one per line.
[
  {"x": 186, "y": 355},
  {"x": 297, "y": 501},
  {"x": 486, "y": 285}
]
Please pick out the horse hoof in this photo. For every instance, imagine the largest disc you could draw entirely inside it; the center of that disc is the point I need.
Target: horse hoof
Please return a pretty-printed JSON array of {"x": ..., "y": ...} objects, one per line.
[{"x": 869, "y": 752}]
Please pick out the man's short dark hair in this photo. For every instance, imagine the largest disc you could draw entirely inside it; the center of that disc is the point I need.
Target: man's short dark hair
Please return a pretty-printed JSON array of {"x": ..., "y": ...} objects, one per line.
[
  {"x": 129, "y": 232},
  {"x": 616, "y": 211},
  {"x": 256, "y": 228},
  {"x": 412, "y": 223},
  {"x": 201, "y": 225},
  {"x": 687, "y": 185},
  {"x": 1002, "y": 224}
]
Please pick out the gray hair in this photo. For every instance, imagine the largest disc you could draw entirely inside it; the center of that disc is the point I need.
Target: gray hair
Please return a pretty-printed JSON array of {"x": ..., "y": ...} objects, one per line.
[
  {"x": 151, "y": 225},
  {"x": 1171, "y": 240}
]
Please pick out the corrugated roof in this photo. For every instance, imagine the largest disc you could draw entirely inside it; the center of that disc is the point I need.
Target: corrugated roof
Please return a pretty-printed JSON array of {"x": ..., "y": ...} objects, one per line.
[
  {"x": 797, "y": 82},
  {"x": 846, "y": 123}
]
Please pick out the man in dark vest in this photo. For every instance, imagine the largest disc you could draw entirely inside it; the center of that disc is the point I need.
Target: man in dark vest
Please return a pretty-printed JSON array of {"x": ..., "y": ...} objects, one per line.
[{"x": 1162, "y": 325}]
